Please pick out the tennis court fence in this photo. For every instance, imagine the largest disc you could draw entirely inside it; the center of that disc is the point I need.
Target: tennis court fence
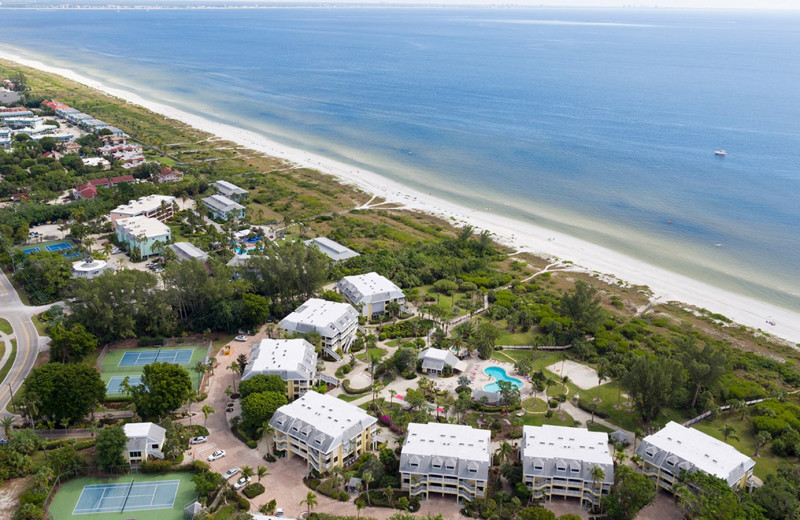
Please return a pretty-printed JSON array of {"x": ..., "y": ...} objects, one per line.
[{"x": 89, "y": 471}]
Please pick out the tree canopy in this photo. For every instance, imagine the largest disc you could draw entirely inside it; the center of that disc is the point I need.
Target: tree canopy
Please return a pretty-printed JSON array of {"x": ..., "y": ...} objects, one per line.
[
  {"x": 110, "y": 446},
  {"x": 164, "y": 387},
  {"x": 64, "y": 392}
]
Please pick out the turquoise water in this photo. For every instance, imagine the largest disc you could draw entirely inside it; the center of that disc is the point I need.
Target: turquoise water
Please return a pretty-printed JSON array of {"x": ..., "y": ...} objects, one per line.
[
  {"x": 499, "y": 374},
  {"x": 600, "y": 124}
]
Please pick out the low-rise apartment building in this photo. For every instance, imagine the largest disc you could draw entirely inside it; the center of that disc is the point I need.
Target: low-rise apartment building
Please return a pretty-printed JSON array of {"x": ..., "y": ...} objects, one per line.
[
  {"x": 676, "y": 448},
  {"x": 323, "y": 430},
  {"x": 294, "y": 360},
  {"x": 445, "y": 459},
  {"x": 230, "y": 190},
  {"x": 144, "y": 234},
  {"x": 558, "y": 461},
  {"x": 222, "y": 208},
  {"x": 335, "y": 322},
  {"x": 159, "y": 207},
  {"x": 370, "y": 293},
  {"x": 333, "y": 250},
  {"x": 144, "y": 439}
]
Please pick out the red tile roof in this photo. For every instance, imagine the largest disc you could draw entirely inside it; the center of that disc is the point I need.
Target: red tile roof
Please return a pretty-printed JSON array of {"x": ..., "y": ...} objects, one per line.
[
  {"x": 122, "y": 178},
  {"x": 100, "y": 182},
  {"x": 86, "y": 191}
]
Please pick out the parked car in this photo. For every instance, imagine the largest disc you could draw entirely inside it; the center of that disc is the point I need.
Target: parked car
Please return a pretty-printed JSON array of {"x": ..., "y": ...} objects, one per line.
[
  {"x": 216, "y": 455},
  {"x": 279, "y": 511},
  {"x": 241, "y": 337},
  {"x": 231, "y": 472},
  {"x": 199, "y": 440},
  {"x": 242, "y": 482}
]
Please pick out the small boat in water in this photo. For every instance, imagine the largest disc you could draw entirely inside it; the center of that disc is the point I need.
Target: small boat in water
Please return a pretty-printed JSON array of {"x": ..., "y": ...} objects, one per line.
[{"x": 721, "y": 153}]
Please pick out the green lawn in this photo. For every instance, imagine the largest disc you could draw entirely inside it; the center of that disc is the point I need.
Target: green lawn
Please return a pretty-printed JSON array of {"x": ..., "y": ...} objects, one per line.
[
  {"x": 350, "y": 398},
  {"x": 5, "y": 326},
  {"x": 362, "y": 356},
  {"x": 540, "y": 419},
  {"x": 10, "y": 362},
  {"x": 518, "y": 338},
  {"x": 67, "y": 496},
  {"x": 766, "y": 463},
  {"x": 534, "y": 404},
  {"x": 41, "y": 327}
]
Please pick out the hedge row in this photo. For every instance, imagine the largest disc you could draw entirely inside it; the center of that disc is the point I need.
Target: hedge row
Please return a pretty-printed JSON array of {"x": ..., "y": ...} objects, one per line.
[{"x": 350, "y": 390}]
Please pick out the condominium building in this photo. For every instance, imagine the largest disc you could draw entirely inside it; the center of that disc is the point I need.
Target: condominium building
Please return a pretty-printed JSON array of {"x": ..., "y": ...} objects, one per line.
[
  {"x": 370, "y": 293},
  {"x": 159, "y": 207},
  {"x": 676, "y": 448},
  {"x": 188, "y": 251},
  {"x": 144, "y": 439},
  {"x": 324, "y": 431},
  {"x": 558, "y": 461},
  {"x": 143, "y": 233},
  {"x": 223, "y": 208},
  {"x": 230, "y": 190},
  {"x": 294, "y": 360},
  {"x": 335, "y": 322},
  {"x": 445, "y": 459}
]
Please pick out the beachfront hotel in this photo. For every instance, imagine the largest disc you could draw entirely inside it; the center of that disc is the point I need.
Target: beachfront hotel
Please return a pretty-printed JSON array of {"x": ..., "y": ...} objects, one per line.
[
  {"x": 370, "y": 293},
  {"x": 558, "y": 461},
  {"x": 143, "y": 233},
  {"x": 158, "y": 207},
  {"x": 445, "y": 459},
  {"x": 335, "y": 322},
  {"x": 676, "y": 448},
  {"x": 324, "y": 431},
  {"x": 294, "y": 360}
]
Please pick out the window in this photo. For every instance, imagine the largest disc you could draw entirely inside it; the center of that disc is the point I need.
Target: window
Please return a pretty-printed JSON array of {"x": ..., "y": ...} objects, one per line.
[
  {"x": 538, "y": 467},
  {"x": 135, "y": 454}
]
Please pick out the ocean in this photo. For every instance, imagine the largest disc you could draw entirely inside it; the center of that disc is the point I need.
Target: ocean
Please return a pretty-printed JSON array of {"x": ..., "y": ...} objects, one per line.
[{"x": 600, "y": 124}]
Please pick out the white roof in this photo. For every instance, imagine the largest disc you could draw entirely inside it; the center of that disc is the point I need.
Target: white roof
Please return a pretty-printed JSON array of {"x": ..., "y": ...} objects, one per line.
[
  {"x": 221, "y": 203},
  {"x": 292, "y": 359},
  {"x": 145, "y": 429},
  {"x": 143, "y": 205},
  {"x": 562, "y": 442},
  {"x": 238, "y": 260},
  {"x": 90, "y": 265},
  {"x": 188, "y": 250},
  {"x": 228, "y": 188},
  {"x": 143, "y": 226},
  {"x": 326, "y": 318},
  {"x": 332, "y": 249},
  {"x": 708, "y": 454},
  {"x": 448, "y": 440},
  {"x": 94, "y": 161},
  {"x": 369, "y": 288}
]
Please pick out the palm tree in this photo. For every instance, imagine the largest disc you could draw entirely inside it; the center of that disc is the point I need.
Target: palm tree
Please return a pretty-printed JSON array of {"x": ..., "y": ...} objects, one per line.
[
  {"x": 234, "y": 368},
  {"x": 207, "y": 410},
  {"x": 366, "y": 478},
  {"x": 505, "y": 451},
  {"x": 619, "y": 456},
  {"x": 392, "y": 393},
  {"x": 637, "y": 460},
  {"x": 310, "y": 501},
  {"x": 389, "y": 494},
  {"x": 728, "y": 431},
  {"x": 7, "y": 423},
  {"x": 261, "y": 471},
  {"x": 598, "y": 475},
  {"x": 762, "y": 438},
  {"x": 359, "y": 506},
  {"x": 637, "y": 435},
  {"x": 247, "y": 471}
]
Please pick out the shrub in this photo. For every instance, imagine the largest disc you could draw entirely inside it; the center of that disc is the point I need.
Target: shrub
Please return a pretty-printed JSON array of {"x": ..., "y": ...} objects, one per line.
[
  {"x": 552, "y": 403},
  {"x": 343, "y": 496},
  {"x": 252, "y": 444},
  {"x": 244, "y": 504},
  {"x": 253, "y": 490},
  {"x": 350, "y": 390},
  {"x": 313, "y": 483}
]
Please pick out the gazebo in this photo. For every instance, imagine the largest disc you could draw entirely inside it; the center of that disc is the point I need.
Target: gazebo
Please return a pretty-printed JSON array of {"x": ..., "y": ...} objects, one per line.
[{"x": 192, "y": 510}]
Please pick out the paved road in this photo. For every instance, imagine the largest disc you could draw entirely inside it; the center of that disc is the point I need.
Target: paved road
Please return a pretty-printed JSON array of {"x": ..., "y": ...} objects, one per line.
[{"x": 28, "y": 340}]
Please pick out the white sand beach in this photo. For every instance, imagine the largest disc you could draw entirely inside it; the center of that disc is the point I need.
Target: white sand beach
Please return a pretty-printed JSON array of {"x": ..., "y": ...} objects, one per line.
[{"x": 665, "y": 285}]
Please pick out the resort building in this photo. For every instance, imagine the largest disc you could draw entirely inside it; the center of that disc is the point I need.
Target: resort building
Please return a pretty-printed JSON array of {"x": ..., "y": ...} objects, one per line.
[
  {"x": 437, "y": 362},
  {"x": 159, "y": 207},
  {"x": 333, "y": 250},
  {"x": 335, "y": 322},
  {"x": 676, "y": 448},
  {"x": 230, "y": 190},
  {"x": 89, "y": 268},
  {"x": 144, "y": 439},
  {"x": 222, "y": 208},
  {"x": 370, "y": 293},
  {"x": 144, "y": 234},
  {"x": 558, "y": 461},
  {"x": 5, "y": 137},
  {"x": 168, "y": 174},
  {"x": 324, "y": 431},
  {"x": 294, "y": 360},
  {"x": 188, "y": 251},
  {"x": 84, "y": 191},
  {"x": 446, "y": 459}
]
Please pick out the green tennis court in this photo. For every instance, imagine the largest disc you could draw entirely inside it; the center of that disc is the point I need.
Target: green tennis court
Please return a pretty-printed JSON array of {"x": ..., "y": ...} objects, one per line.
[
  {"x": 129, "y": 362},
  {"x": 140, "y": 496}
]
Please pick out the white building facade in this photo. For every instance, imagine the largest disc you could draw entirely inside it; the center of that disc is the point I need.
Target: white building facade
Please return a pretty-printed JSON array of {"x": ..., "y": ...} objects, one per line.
[
  {"x": 143, "y": 233},
  {"x": 335, "y": 322},
  {"x": 294, "y": 360},
  {"x": 370, "y": 293}
]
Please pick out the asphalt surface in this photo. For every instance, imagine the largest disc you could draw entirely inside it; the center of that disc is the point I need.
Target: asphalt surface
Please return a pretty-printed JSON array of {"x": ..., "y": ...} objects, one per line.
[{"x": 28, "y": 340}]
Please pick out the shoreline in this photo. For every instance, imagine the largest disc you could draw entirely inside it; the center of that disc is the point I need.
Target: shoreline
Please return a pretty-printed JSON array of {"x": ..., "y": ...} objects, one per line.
[{"x": 522, "y": 237}]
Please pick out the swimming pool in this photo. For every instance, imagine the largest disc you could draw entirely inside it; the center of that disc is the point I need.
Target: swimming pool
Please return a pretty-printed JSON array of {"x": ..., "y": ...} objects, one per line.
[{"x": 499, "y": 374}]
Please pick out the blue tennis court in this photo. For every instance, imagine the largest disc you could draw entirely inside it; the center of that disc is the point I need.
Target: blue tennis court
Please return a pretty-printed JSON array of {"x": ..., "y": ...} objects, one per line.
[
  {"x": 60, "y": 246},
  {"x": 30, "y": 250},
  {"x": 133, "y": 496},
  {"x": 114, "y": 385},
  {"x": 137, "y": 359}
]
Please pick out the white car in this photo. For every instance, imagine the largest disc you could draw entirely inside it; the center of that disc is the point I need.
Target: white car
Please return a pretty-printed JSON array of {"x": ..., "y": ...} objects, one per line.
[
  {"x": 216, "y": 455},
  {"x": 242, "y": 482},
  {"x": 231, "y": 472},
  {"x": 199, "y": 440},
  {"x": 241, "y": 338}
]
